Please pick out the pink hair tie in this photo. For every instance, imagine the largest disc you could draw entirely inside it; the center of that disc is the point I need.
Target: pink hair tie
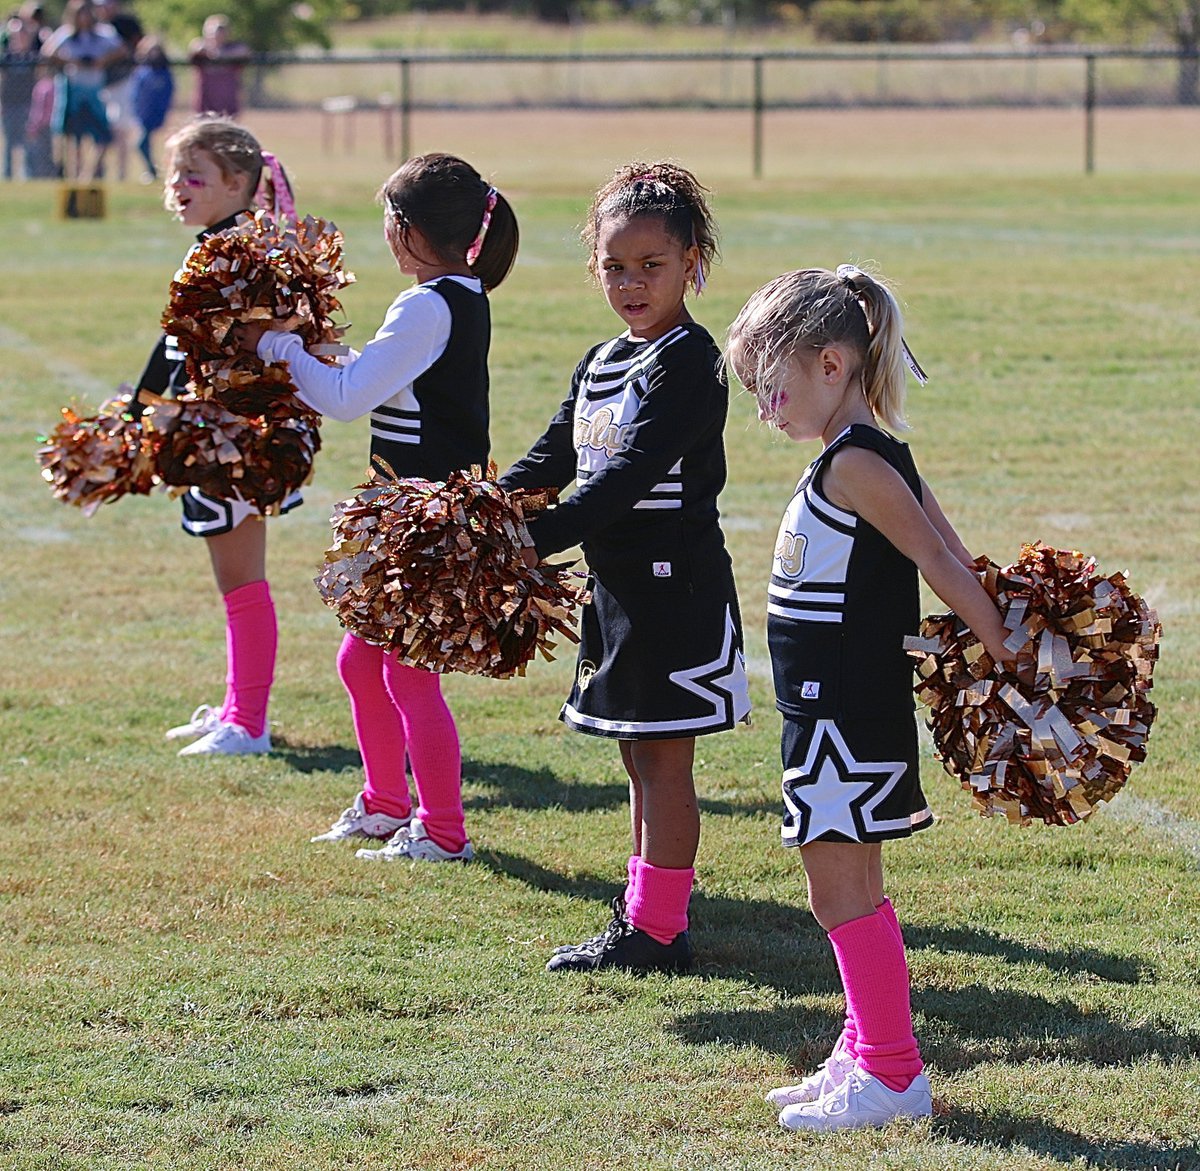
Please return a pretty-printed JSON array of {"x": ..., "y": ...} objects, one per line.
[
  {"x": 489, "y": 206},
  {"x": 283, "y": 206}
]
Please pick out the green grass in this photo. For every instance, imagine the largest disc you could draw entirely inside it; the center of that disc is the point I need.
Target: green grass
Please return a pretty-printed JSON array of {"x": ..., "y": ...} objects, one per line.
[{"x": 189, "y": 984}]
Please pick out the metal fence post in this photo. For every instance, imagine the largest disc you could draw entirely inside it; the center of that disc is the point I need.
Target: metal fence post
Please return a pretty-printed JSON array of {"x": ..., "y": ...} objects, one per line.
[
  {"x": 405, "y": 108},
  {"x": 758, "y": 117},
  {"x": 1089, "y": 116}
]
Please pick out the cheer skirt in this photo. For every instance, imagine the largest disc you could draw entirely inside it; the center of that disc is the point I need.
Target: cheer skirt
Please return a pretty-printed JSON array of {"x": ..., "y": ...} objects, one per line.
[
  {"x": 210, "y": 516},
  {"x": 851, "y": 781},
  {"x": 660, "y": 653}
]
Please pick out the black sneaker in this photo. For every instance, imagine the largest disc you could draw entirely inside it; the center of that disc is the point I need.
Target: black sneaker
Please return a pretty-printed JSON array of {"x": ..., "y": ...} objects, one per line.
[
  {"x": 597, "y": 941},
  {"x": 622, "y": 945}
]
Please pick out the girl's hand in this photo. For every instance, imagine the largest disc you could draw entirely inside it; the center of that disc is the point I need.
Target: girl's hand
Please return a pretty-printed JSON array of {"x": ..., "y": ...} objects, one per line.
[
  {"x": 245, "y": 335},
  {"x": 530, "y": 557}
]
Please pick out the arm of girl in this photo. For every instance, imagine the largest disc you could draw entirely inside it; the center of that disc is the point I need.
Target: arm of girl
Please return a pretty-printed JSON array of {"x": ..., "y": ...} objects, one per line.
[
  {"x": 681, "y": 402},
  {"x": 551, "y": 460},
  {"x": 412, "y": 337},
  {"x": 939, "y": 520},
  {"x": 863, "y": 482}
]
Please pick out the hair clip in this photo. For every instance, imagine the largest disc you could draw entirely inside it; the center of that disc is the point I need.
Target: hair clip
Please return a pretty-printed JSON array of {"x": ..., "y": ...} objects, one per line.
[
  {"x": 913, "y": 365},
  {"x": 489, "y": 206}
]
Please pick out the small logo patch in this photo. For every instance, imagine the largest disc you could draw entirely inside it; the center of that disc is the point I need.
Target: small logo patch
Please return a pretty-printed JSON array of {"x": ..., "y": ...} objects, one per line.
[
  {"x": 586, "y": 671},
  {"x": 662, "y": 569},
  {"x": 810, "y": 690}
]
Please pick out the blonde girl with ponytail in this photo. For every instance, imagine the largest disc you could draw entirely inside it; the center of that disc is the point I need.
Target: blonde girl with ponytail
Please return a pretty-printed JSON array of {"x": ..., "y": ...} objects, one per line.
[{"x": 824, "y": 354}]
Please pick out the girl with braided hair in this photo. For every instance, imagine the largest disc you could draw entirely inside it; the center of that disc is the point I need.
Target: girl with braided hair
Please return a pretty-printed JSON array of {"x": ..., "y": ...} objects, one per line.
[
  {"x": 824, "y": 355},
  {"x": 641, "y": 433}
]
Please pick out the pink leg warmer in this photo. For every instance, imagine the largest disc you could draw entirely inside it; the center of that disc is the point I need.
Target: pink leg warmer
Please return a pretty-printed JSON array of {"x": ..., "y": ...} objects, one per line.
[
  {"x": 632, "y": 870},
  {"x": 659, "y": 906},
  {"x": 870, "y": 958},
  {"x": 251, "y": 636},
  {"x": 433, "y": 750},
  {"x": 848, "y": 1041},
  {"x": 377, "y": 727}
]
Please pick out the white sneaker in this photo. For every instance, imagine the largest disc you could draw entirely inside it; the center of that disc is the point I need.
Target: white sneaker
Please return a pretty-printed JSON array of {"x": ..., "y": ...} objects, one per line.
[
  {"x": 414, "y": 844},
  {"x": 204, "y": 719},
  {"x": 828, "y": 1076},
  {"x": 861, "y": 1100},
  {"x": 228, "y": 740},
  {"x": 356, "y": 822}
]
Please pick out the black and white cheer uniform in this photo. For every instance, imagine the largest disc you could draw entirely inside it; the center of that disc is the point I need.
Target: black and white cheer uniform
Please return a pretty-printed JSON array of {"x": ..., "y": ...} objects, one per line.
[
  {"x": 423, "y": 379},
  {"x": 641, "y": 433},
  {"x": 166, "y": 374},
  {"x": 841, "y": 599}
]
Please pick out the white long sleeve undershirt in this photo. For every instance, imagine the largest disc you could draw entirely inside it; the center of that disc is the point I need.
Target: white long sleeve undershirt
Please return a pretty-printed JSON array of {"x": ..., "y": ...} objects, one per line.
[{"x": 413, "y": 336}]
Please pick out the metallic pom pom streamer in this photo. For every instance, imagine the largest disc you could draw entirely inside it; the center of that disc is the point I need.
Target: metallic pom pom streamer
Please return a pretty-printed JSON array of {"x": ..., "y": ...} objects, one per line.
[
  {"x": 1053, "y": 738},
  {"x": 284, "y": 275},
  {"x": 433, "y": 572},
  {"x": 96, "y": 459},
  {"x": 261, "y": 459}
]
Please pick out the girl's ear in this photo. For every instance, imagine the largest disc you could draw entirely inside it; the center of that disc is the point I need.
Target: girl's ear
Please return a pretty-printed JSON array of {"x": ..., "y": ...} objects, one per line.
[
  {"x": 832, "y": 363},
  {"x": 691, "y": 259}
]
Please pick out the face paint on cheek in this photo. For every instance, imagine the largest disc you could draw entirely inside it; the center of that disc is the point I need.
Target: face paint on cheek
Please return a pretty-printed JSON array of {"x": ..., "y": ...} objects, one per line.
[{"x": 770, "y": 404}]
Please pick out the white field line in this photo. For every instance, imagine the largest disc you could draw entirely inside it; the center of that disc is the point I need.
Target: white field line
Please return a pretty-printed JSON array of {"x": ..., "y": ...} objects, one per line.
[
  {"x": 1183, "y": 833},
  {"x": 69, "y": 377}
]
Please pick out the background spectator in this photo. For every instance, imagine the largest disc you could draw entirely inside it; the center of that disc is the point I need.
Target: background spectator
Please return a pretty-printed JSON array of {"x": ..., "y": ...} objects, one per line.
[
  {"x": 18, "y": 72},
  {"x": 40, "y": 162},
  {"x": 153, "y": 87},
  {"x": 83, "y": 49},
  {"x": 219, "y": 63},
  {"x": 118, "y": 76}
]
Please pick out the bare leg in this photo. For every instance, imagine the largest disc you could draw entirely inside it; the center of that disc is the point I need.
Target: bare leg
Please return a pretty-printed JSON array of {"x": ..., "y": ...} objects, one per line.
[
  {"x": 635, "y": 795},
  {"x": 239, "y": 556},
  {"x": 670, "y": 815}
]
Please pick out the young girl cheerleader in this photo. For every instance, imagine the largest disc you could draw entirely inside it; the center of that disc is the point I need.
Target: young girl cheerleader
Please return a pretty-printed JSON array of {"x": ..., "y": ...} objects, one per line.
[
  {"x": 214, "y": 171},
  {"x": 824, "y": 355},
  {"x": 424, "y": 380},
  {"x": 641, "y": 432}
]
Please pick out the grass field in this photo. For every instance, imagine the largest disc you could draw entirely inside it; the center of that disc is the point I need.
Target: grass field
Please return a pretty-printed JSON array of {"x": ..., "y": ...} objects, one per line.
[{"x": 189, "y": 984}]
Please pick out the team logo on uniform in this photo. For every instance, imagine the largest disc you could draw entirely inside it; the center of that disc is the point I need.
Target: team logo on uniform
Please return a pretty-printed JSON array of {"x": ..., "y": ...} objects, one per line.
[
  {"x": 586, "y": 671},
  {"x": 601, "y": 432},
  {"x": 662, "y": 569},
  {"x": 789, "y": 552},
  {"x": 810, "y": 689}
]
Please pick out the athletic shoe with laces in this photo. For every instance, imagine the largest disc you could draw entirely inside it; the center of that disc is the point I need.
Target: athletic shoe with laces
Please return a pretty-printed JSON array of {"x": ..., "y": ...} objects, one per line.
[
  {"x": 618, "y": 906},
  {"x": 228, "y": 740},
  {"x": 622, "y": 945},
  {"x": 204, "y": 719},
  {"x": 356, "y": 822},
  {"x": 860, "y": 1101},
  {"x": 413, "y": 843},
  {"x": 828, "y": 1076}
]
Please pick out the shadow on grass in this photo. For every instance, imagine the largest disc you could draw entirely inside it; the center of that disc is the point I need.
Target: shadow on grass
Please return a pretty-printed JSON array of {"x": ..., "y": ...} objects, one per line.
[
  {"x": 517, "y": 787},
  {"x": 1017, "y": 1025},
  {"x": 1116, "y": 969},
  {"x": 581, "y": 886},
  {"x": 1009, "y": 1130},
  {"x": 318, "y": 758}
]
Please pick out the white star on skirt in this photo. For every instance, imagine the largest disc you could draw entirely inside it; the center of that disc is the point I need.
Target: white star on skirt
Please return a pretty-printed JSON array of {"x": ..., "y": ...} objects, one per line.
[{"x": 831, "y": 792}]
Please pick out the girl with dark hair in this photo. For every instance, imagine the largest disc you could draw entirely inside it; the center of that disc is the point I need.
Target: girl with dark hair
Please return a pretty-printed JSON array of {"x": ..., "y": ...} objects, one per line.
[{"x": 423, "y": 379}]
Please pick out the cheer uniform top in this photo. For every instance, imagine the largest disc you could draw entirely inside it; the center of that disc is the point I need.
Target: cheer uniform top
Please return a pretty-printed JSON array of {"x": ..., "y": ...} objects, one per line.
[
  {"x": 641, "y": 432},
  {"x": 166, "y": 374},
  {"x": 433, "y": 344},
  {"x": 841, "y": 599}
]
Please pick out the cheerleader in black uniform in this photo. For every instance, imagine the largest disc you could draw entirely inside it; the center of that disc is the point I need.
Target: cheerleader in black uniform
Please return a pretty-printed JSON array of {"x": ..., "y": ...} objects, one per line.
[
  {"x": 641, "y": 432},
  {"x": 214, "y": 170},
  {"x": 824, "y": 354}
]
